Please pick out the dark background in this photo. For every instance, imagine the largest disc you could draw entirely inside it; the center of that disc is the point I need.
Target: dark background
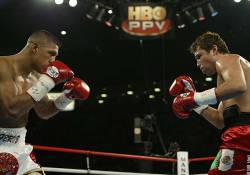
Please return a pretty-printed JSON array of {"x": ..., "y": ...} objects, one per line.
[{"x": 110, "y": 63}]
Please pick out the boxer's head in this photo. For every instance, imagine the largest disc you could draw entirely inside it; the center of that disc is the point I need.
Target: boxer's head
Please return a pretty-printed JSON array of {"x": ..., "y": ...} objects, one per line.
[
  {"x": 205, "y": 49},
  {"x": 43, "y": 48}
]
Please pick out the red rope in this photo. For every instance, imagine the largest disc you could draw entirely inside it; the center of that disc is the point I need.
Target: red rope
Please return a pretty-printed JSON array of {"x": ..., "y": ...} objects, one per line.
[
  {"x": 201, "y": 159},
  {"x": 105, "y": 154},
  {"x": 115, "y": 155}
]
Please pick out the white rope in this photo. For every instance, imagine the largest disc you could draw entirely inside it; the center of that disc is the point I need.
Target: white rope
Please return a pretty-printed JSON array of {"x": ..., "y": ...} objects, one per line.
[
  {"x": 82, "y": 171},
  {"x": 65, "y": 170},
  {"x": 97, "y": 172}
]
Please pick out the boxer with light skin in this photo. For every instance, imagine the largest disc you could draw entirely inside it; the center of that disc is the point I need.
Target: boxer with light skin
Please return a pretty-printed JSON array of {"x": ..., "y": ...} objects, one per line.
[
  {"x": 233, "y": 95},
  {"x": 25, "y": 80}
]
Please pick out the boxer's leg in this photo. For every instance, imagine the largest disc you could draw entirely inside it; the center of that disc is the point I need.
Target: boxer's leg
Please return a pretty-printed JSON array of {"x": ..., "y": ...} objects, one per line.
[
  {"x": 35, "y": 173},
  {"x": 229, "y": 162},
  {"x": 27, "y": 162}
]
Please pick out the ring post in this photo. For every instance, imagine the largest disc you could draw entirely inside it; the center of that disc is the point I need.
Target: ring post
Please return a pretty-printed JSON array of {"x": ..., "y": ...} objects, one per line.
[{"x": 182, "y": 163}]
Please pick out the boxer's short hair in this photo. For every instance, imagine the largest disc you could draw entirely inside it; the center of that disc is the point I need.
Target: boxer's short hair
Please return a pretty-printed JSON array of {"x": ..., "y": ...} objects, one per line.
[
  {"x": 44, "y": 37},
  {"x": 206, "y": 42}
]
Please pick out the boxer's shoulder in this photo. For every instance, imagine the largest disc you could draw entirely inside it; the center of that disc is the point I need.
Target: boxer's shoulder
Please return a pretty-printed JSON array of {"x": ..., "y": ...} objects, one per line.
[
  {"x": 227, "y": 60},
  {"x": 4, "y": 60},
  {"x": 229, "y": 57},
  {"x": 5, "y": 67}
]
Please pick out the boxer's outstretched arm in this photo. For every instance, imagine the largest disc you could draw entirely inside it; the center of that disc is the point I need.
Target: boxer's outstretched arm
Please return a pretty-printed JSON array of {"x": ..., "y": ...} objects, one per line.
[
  {"x": 45, "y": 108},
  {"x": 73, "y": 89},
  {"x": 214, "y": 116}
]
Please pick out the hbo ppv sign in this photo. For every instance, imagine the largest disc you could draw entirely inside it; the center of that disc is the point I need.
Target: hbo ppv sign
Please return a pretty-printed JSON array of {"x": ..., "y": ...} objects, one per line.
[{"x": 146, "y": 20}]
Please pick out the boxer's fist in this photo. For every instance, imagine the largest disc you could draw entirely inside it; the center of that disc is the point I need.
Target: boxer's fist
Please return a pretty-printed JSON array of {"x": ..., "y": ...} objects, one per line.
[
  {"x": 181, "y": 84},
  {"x": 180, "y": 112},
  {"x": 183, "y": 104},
  {"x": 73, "y": 89},
  {"x": 76, "y": 89},
  {"x": 58, "y": 72}
]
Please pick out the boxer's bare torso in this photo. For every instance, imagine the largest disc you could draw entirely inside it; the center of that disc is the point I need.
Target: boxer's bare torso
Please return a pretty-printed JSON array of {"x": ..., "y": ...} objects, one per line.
[
  {"x": 242, "y": 100},
  {"x": 13, "y": 83}
]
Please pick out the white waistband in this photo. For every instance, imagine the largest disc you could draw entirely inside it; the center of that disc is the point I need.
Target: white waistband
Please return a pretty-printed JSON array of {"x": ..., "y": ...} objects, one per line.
[{"x": 12, "y": 135}]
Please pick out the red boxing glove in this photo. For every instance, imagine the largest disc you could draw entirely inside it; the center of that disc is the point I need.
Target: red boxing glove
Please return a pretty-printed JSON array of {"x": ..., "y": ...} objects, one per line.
[
  {"x": 187, "y": 101},
  {"x": 59, "y": 72},
  {"x": 181, "y": 84},
  {"x": 183, "y": 104},
  {"x": 76, "y": 89},
  {"x": 73, "y": 89},
  {"x": 53, "y": 74},
  {"x": 179, "y": 112}
]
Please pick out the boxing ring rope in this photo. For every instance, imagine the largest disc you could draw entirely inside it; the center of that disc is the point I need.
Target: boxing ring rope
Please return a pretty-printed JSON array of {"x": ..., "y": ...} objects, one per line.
[{"x": 107, "y": 154}]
